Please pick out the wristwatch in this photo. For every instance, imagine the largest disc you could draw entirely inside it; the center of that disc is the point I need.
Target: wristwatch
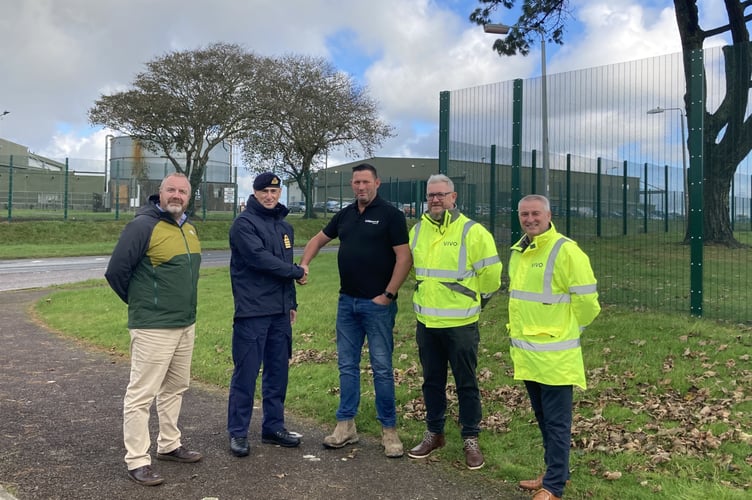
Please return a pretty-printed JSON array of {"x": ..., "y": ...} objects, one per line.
[{"x": 390, "y": 295}]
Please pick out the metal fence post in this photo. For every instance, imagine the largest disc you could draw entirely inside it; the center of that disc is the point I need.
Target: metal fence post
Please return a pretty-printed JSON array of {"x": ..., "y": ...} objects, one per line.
[
  {"x": 598, "y": 198},
  {"x": 665, "y": 198},
  {"x": 492, "y": 198},
  {"x": 646, "y": 190},
  {"x": 516, "y": 230},
  {"x": 444, "y": 132},
  {"x": 10, "y": 189},
  {"x": 65, "y": 191},
  {"x": 569, "y": 194},
  {"x": 695, "y": 91},
  {"x": 624, "y": 205}
]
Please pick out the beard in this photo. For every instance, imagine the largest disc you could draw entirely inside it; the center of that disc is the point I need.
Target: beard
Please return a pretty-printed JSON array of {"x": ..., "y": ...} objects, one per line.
[
  {"x": 175, "y": 209},
  {"x": 437, "y": 216}
]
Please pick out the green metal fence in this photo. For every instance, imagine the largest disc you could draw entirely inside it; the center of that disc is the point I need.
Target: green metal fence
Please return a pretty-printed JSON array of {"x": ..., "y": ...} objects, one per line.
[
  {"x": 617, "y": 169},
  {"x": 65, "y": 190}
]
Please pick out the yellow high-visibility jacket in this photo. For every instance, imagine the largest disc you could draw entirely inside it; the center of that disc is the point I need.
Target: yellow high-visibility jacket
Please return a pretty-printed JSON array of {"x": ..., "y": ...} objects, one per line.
[
  {"x": 456, "y": 264},
  {"x": 552, "y": 298}
]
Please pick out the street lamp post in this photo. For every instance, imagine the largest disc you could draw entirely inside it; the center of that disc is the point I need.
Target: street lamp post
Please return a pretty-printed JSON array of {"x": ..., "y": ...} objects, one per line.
[
  {"x": 658, "y": 110},
  {"x": 544, "y": 115},
  {"x": 503, "y": 29}
]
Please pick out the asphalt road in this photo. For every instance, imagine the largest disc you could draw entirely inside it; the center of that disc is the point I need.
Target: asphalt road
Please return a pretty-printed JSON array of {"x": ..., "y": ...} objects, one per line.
[{"x": 22, "y": 274}]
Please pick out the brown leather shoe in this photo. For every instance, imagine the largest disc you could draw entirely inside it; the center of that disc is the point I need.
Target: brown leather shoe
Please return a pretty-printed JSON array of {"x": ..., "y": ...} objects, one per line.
[
  {"x": 180, "y": 454},
  {"x": 473, "y": 456},
  {"x": 534, "y": 484},
  {"x": 431, "y": 442},
  {"x": 145, "y": 476},
  {"x": 544, "y": 494}
]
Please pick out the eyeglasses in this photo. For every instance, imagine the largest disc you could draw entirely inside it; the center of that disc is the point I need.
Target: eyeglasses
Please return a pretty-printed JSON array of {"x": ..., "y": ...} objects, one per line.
[{"x": 438, "y": 196}]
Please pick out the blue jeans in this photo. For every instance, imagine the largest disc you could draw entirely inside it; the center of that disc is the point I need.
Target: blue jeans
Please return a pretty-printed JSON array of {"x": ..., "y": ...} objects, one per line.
[
  {"x": 358, "y": 319},
  {"x": 457, "y": 347},
  {"x": 552, "y": 405},
  {"x": 259, "y": 340}
]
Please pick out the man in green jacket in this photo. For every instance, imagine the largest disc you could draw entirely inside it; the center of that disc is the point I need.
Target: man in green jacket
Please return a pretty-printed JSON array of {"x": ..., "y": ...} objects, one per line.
[
  {"x": 154, "y": 269},
  {"x": 552, "y": 298}
]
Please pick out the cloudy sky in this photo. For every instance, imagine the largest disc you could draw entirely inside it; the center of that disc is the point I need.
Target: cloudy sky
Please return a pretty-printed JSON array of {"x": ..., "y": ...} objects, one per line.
[{"x": 58, "y": 56}]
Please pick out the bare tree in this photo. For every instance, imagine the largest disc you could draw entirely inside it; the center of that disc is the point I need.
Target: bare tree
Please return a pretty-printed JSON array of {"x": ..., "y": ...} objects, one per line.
[
  {"x": 310, "y": 108},
  {"x": 186, "y": 103},
  {"x": 727, "y": 134}
]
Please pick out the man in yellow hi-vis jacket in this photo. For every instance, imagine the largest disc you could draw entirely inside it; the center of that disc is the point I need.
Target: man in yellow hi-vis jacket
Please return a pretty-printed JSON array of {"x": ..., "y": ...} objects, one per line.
[
  {"x": 552, "y": 298},
  {"x": 457, "y": 268}
]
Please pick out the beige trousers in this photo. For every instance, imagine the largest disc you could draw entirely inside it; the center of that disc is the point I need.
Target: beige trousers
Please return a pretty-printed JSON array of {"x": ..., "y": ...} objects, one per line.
[{"x": 161, "y": 369}]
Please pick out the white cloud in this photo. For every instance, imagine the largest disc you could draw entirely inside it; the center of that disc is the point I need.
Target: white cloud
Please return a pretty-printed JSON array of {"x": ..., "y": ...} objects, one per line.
[{"x": 65, "y": 54}]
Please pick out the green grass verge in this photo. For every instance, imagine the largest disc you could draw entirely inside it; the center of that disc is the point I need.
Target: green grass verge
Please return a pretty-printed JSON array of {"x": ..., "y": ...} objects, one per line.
[{"x": 667, "y": 413}]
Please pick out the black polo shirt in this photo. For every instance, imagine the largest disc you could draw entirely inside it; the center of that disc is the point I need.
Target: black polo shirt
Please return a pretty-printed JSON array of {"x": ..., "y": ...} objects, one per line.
[{"x": 366, "y": 255}]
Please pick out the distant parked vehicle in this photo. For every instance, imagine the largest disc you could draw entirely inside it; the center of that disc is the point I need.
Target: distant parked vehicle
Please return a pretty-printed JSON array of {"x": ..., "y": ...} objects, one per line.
[
  {"x": 296, "y": 207},
  {"x": 336, "y": 206}
]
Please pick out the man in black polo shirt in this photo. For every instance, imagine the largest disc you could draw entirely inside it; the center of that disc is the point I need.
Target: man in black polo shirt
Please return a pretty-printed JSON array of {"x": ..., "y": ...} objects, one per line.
[{"x": 374, "y": 259}]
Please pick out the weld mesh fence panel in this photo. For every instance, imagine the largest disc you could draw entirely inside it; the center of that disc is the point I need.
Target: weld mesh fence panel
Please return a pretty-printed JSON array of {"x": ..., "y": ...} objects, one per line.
[{"x": 617, "y": 177}]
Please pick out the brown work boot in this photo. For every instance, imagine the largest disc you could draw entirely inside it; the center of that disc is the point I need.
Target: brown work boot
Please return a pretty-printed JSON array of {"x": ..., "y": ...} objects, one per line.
[
  {"x": 431, "y": 442},
  {"x": 391, "y": 442},
  {"x": 473, "y": 457},
  {"x": 345, "y": 433},
  {"x": 532, "y": 484},
  {"x": 544, "y": 494},
  {"x": 535, "y": 484}
]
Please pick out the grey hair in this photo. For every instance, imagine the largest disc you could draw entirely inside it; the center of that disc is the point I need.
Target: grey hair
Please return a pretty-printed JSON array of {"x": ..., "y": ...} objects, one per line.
[
  {"x": 175, "y": 174},
  {"x": 436, "y": 178},
  {"x": 536, "y": 197}
]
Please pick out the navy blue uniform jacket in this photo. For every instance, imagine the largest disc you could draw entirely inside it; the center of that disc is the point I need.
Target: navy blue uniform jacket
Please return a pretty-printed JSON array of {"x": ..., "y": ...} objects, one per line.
[{"x": 261, "y": 268}]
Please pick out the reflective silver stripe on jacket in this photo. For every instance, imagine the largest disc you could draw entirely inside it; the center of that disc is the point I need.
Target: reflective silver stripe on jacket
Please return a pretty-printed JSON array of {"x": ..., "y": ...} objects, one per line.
[
  {"x": 553, "y": 346},
  {"x": 461, "y": 273},
  {"x": 547, "y": 296},
  {"x": 446, "y": 313},
  {"x": 583, "y": 289}
]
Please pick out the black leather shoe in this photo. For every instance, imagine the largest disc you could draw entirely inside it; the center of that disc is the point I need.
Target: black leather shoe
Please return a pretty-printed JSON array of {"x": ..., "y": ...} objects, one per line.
[
  {"x": 281, "y": 438},
  {"x": 145, "y": 476},
  {"x": 239, "y": 446},
  {"x": 180, "y": 454}
]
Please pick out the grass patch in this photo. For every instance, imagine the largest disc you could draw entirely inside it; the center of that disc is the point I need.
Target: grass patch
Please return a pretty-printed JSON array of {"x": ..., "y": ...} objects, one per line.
[{"x": 666, "y": 414}]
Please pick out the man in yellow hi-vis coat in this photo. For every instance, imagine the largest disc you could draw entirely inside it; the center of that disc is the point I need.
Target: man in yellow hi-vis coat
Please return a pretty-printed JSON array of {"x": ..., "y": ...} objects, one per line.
[
  {"x": 457, "y": 268},
  {"x": 552, "y": 298}
]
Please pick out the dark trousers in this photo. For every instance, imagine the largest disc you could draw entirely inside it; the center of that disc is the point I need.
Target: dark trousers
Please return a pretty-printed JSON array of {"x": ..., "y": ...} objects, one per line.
[
  {"x": 457, "y": 347},
  {"x": 267, "y": 340},
  {"x": 552, "y": 405}
]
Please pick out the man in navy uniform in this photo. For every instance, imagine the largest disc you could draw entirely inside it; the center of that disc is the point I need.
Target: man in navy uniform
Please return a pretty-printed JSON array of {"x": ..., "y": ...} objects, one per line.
[{"x": 263, "y": 287}]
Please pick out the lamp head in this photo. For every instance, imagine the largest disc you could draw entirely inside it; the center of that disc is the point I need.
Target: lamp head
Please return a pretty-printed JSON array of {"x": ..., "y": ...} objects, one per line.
[
  {"x": 496, "y": 29},
  {"x": 656, "y": 110}
]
